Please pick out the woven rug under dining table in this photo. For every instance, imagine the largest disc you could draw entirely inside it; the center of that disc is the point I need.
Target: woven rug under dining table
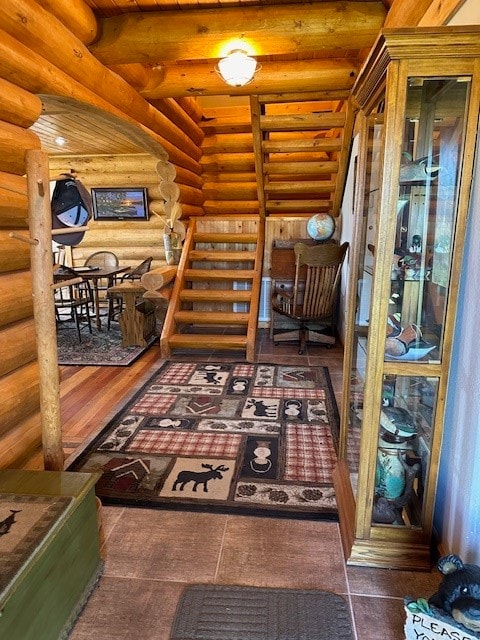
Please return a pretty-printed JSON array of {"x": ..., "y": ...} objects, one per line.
[{"x": 223, "y": 437}]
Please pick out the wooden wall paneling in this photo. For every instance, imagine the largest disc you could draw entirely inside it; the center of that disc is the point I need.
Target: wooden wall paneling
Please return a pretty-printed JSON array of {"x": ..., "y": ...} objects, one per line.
[
  {"x": 284, "y": 228},
  {"x": 20, "y": 393},
  {"x": 17, "y": 345}
]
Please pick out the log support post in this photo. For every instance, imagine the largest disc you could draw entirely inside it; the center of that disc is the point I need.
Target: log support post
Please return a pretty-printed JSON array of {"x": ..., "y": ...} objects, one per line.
[{"x": 40, "y": 223}]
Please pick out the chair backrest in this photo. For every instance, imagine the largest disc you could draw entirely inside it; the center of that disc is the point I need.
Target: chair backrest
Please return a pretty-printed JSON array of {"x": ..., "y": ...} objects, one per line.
[
  {"x": 137, "y": 272},
  {"x": 323, "y": 267},
  {"x": 102, "y": 259}
]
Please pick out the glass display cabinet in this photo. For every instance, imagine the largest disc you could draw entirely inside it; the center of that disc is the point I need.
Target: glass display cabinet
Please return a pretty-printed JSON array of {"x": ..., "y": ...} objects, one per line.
[{"x": 418, "y": 101}]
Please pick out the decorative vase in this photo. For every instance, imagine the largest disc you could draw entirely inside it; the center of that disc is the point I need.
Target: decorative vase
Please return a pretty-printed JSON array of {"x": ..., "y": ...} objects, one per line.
[
  {"x": 390, "y": 473},
  {"x": 173, "y": 247}
]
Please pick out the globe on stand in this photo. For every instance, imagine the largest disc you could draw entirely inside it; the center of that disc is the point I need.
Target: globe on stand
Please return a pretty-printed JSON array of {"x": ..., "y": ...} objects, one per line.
[{"x": 321, "y": 227}]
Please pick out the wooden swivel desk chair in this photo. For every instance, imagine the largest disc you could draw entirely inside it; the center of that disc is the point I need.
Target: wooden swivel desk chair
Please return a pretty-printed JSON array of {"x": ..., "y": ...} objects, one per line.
[{"x": 312, "y": 297}]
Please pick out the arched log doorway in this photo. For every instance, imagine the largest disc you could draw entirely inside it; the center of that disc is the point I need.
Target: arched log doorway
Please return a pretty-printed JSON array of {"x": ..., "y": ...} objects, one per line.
[{"x": 70, "y": 120}]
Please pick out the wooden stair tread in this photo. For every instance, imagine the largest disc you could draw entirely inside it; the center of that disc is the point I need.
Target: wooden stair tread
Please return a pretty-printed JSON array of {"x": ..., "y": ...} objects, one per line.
[
  {"x": 221, "y": 256},
  {"x": 308, "y": 206},
  {"x": 207, "y": 341},
  {"x": 215, "y": 275},
  {"x": 292, "y": 146},
  {"x": 315, "y": 167},
  {"x": 215, "y": 295},
  {"x": 302, "y": 122},
  {"x": 211, "y": 317},
  {"x": 318, "y": 186},
  {"x": 236, "y": 238}
]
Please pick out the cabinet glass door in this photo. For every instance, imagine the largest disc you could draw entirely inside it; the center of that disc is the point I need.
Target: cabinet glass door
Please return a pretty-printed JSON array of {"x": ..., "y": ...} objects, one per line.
[
  {"x": 433, "y": 138},
  {"x": 428, "y": 189},
  {"x": 366, "y": 263}
]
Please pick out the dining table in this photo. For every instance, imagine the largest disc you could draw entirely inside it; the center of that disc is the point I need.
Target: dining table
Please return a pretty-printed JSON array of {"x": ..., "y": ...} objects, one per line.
[{"x": 95, "y": 274}]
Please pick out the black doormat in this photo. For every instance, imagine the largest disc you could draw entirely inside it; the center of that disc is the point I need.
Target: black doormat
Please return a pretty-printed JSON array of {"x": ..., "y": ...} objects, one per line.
[
  {"x": 214, "y": 612},
  {"x": 222, "y": 437}
]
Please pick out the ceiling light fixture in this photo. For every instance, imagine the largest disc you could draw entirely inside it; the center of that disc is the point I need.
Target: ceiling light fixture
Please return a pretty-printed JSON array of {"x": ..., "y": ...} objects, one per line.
[{"x": 237, "y": 68}]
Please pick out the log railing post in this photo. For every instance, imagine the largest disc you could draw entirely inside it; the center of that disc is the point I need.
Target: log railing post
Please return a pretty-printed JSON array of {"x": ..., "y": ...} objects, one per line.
[{"x": 40, "y": 223}]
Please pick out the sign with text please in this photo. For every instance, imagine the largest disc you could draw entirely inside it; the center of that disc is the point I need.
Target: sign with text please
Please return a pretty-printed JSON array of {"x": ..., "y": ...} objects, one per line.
[{"x": 422, "y": 626}]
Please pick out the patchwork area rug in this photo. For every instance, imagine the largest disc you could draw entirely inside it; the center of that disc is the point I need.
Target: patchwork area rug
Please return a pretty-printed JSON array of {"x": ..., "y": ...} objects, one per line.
[
  {"x": 217, "y": 612},
  {"x": 99, "y": 348},
  {"x": 223, "y": 437}
]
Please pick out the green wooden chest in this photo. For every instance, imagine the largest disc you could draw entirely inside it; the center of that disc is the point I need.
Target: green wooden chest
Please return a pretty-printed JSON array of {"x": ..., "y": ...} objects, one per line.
[{"x": 49, "y": 551}]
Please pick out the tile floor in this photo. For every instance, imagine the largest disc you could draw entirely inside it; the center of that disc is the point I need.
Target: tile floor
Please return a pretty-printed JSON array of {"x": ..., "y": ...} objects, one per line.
[{"x": 151, "y": 555}]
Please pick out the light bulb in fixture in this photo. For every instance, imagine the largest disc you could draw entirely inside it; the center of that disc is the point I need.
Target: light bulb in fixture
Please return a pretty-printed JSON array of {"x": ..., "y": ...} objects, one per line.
[{"x": 237, "y": 68}]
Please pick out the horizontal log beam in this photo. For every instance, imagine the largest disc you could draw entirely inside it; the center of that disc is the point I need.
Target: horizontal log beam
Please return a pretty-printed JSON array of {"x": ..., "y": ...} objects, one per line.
[
  {"x": 227, "y": 143},
  {"x": 30, "y": 51},
  {"x": 229, "y": 162},
  {"x": 15, "y": 255},
  {"x": 174, "y": 112},
  {"x": 230, "y": 207},
  {"x": 230, "y": 191},
  {"x": 18, "y": 106},
  {"x": 406, "y": 13},
  {"x": 280, "y": 29},
  {"x": 274, "y": 77},
  {"x": 302, "y": 122},
  {"x": 158, "y": 278},
  {"x": 14, "y": 141},
  {"x": 76, "y": 15},
  {"x": 20, "y": 392},
  {"x": 16, "y": 302},
  {"x": 17, "y": 345}
]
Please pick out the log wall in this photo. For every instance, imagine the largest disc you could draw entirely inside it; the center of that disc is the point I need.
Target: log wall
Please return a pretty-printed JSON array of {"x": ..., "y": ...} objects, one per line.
[{"x": 43, "y": 51}]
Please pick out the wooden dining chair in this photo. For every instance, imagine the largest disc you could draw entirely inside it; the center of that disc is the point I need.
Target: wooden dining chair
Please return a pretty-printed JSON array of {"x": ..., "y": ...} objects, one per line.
[
  {"x": 73, "y": 302},
  {"x": 311, "y": 301}
]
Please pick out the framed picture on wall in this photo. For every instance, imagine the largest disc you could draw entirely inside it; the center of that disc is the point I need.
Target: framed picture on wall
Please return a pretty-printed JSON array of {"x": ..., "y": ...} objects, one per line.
[{"x": 120, "y": 204}]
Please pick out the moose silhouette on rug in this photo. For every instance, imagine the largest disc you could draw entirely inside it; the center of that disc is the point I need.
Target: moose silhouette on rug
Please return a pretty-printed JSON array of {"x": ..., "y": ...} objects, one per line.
[{"x": 199, "y": 477}]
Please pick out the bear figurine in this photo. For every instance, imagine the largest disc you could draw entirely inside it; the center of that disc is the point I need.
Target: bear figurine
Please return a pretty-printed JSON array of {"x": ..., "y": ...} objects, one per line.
[{"x": 459, "y": 592}]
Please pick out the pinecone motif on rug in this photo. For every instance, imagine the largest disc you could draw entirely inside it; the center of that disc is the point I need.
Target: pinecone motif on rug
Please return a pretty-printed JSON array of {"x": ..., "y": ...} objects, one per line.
[{"x": 245, "y": 438}]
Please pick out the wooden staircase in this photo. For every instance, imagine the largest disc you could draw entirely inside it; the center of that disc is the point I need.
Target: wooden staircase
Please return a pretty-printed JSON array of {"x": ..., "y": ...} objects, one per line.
[
  {"x": 301, "y": 144},
  {"x": 216, "y": 295}
]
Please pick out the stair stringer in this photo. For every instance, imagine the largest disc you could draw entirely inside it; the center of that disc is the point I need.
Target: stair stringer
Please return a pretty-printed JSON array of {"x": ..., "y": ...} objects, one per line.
[{"x": 172, "y": 330}]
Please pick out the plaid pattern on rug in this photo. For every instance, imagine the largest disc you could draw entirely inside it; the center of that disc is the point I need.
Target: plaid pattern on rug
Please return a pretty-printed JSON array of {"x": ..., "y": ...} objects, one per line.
[{"x": 224, "y": 437}]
